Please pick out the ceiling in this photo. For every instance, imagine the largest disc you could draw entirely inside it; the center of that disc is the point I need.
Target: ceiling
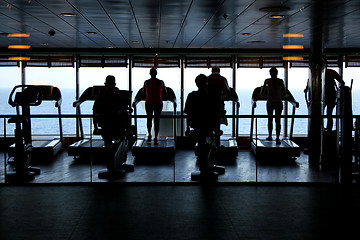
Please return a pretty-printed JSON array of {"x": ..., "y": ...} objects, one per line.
[{"x": 179, "y": 24}]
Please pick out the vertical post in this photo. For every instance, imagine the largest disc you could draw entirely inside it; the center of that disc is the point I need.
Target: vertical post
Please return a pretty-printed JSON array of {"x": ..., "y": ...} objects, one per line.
[
  {"x": 182, "y": 95},
  {"x": 234, "y": 107},
  {"x": 23, "y": 79},
  {"x": 286, "y": 112},
  {"x": 130, "y": 72},
  {"x": 77, "y": 92},
  {"x": 316, "y": 84}
]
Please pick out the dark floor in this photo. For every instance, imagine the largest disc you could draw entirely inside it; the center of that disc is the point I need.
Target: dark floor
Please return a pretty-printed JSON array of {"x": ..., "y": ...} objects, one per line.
[
  {"x": 179, "y": 211},
  {"x": 245, "y": 168},
  {"x": 159, "y": 201}
]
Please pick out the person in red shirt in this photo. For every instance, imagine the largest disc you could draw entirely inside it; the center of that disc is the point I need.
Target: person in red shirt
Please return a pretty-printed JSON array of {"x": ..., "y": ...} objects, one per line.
[
  {"x": 154, "y": 90},
  {"x": 218, "y": 89}
]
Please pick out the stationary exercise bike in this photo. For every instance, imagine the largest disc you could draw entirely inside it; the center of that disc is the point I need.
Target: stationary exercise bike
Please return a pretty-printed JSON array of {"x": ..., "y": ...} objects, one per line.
[
  {"x": 28, "y": 96},
  {"x": 123, "y": 135}
]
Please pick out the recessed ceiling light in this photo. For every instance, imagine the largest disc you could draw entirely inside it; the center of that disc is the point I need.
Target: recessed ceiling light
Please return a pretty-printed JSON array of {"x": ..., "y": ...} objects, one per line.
[
  {"x": 134, "y": 41},
  {"x": 293, "y": 58},
  {"x": 91, "y": 33},
  {"x": 277, "y": 16},
  {"x": 19, "y": 58},
  {"x": 68, "y": 14},
  {"x": 19, "y": 47},
  {"x": 293, "y": 47},
  {"x": 246, "y": 34},
  {"x": 43, "y": 44},
  {"x": 18, "y": 35},
  {"x": 294, "y": 35}
]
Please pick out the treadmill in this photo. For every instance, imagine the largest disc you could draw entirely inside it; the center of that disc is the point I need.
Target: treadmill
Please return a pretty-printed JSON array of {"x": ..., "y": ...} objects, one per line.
[
  {"x": 166, "y": 147},
  {"x": 44, "y": 147},
  {"x": 89, "y": 145},
  {"x": 268, "y": 149},
  {"x": 229, "y": 144}
]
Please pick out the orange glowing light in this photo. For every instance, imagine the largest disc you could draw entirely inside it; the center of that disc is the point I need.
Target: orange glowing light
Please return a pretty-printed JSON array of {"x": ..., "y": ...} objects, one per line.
[
  {"x": 19, "y": 47},
  {"x": 19, "y": 58},
  {"x": 292, "y": 58},
  {"x": 293, "y": 35},
  {"x": 293, "y": 47},
  {"x": 18, "y": 35}
]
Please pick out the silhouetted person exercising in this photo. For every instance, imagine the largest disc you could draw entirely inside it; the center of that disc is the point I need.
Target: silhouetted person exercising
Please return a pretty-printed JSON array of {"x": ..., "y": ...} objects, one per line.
[
  {"x": 110, "y": 114},
  {"x": 198, "y": 109},
  {"x": 330, "y": 94},
  {"x": 274, "y": 90},
  {"x": 201, "y": 118},
  {"x": 154, "y": 90},
  {"x": 218, "y": 89}
]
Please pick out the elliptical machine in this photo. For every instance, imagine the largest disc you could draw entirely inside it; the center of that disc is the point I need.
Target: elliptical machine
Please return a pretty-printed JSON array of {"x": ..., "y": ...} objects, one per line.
[{"x": 28, "y": 96}]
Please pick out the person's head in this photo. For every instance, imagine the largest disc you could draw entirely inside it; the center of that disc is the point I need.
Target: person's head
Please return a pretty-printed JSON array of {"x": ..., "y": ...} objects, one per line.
[
  {"x": 215, "y": 69},
  {"x": 153, "y": 72},
  {"x": 110, "y": 81},
  {"x": 201, "y": 81},
  {"x": 273, "y": 72}
]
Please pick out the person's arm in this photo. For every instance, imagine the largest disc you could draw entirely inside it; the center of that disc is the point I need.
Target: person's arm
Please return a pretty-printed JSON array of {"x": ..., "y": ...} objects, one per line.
[{"x": 339, "y": 79}]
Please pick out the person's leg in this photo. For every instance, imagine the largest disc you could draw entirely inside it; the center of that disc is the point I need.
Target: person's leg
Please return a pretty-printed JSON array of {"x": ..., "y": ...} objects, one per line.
[
  {"x": 278, "y": 111},
  {"x": 269, "y": 110},
  {"x": 157, "y": 112},
  {"x": 149, "y": 113}
]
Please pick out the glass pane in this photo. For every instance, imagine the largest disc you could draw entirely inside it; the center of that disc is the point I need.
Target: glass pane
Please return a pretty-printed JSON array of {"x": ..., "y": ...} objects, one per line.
[
  {"x": 64, "y": 79},
  {"x": 10, "y": 77}
]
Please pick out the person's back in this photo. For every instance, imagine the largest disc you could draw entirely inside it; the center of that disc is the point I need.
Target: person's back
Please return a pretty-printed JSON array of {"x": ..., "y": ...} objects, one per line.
[
  {"x": 110, "y": 107},
  {"x": 275, "y": 89},
  {"x": 217, "y": 84},
  {"x": 198, "y": 108}
]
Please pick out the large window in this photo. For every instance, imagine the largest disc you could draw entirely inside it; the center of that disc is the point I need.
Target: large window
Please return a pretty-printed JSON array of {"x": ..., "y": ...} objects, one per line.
[
  {"x": 10, "y": 77},
  {"x": 171, "y": 78},
  {"x": 91, "y": 76},
  {"x": 189, "y": 86},
  {"x": 62, "y": 78},
  {"x": 297, "y": 82},
  {"x": 247, "y": 79}
]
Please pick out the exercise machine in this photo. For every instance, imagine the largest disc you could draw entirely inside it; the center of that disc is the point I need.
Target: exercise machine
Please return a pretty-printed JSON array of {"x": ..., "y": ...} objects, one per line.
[
  {"x": 166, "y": 146},
  {"x": 267, "y": 149},
  {"x": 43, "y": 147},
  {"x": 22, "y": 155},
  {"x": 117, "y": 166}
]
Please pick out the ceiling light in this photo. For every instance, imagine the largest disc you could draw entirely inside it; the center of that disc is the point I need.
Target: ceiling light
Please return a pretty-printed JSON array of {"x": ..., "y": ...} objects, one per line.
[
  {"x": 18, "y": 46},
  {"x": 68, "y": 14},
  {"x": 134, "y": 41},
  {"x": 91, "y": 33},
  {"x": 43, "y": 44},
  {"x": 293, "y": 47},
  {"x": 19, "y": 58},
  {"x": 246, "y": 34},
  {"x": 18, "y": 35},
  {"x": 292, "y": 58},
  {"x": 294, "y": 35},
  {"x": 277, "y": 16}
]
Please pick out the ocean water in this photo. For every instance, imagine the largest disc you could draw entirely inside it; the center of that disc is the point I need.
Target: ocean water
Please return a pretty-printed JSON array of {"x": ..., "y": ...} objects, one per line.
[{"x": 51, "y": 126}]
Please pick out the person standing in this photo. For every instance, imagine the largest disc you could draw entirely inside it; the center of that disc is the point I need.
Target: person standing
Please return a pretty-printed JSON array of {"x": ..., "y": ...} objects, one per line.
[
  {"x": 330, "y": 94},
  {"x": 274, "y": 90},
  {"x": 154, "y": 90}
]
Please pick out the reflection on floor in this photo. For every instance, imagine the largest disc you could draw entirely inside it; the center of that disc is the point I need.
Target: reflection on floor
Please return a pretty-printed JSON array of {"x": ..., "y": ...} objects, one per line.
[{"x": 244, "y": 168}]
